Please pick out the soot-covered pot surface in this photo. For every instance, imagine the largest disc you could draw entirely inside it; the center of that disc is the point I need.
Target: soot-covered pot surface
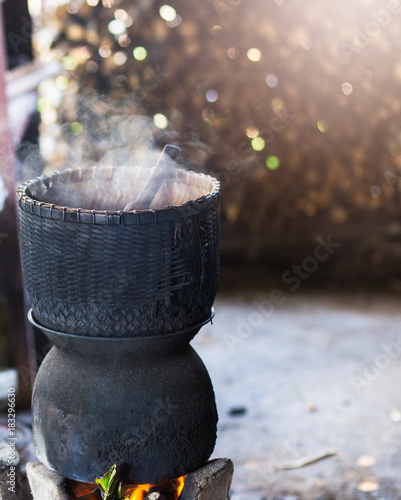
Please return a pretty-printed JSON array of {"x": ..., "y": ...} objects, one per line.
[{"x": 145, "y": 404}]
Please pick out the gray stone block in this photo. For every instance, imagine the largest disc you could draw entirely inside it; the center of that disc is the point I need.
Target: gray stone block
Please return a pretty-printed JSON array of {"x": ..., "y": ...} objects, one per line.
[
  {"x": 211, "y": 482},
  {"x": 45, "y": 484}
]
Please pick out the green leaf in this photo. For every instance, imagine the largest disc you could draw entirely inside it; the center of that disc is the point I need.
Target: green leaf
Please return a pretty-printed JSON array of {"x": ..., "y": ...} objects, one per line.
[{"x": 110, "y": 484}]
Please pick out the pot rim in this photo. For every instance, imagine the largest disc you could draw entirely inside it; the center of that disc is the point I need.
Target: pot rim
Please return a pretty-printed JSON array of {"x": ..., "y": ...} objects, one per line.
[
  {"x": 113, "y": 217},
  {"x": 167, "y": 336}
]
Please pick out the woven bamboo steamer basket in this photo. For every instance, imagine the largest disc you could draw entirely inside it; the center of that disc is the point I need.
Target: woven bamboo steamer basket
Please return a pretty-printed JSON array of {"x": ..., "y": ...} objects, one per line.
[{"x": 93, "y": 269}]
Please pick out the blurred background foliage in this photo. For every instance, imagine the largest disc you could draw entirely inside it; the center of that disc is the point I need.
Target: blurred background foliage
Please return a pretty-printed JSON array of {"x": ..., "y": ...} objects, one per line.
[{"x": 293, "y": 105}]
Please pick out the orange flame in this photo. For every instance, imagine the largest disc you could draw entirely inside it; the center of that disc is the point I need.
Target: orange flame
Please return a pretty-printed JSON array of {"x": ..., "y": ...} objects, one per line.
[
  {"x": 139, "y": 492},
  {"x": 172, "y": 489},
  {"x": 181, "y": 482}
]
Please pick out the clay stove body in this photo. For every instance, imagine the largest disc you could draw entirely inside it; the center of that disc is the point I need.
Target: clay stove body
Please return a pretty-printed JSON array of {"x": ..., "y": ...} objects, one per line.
[
  {"x": 120, "y": 295},
  {"x": 146, "y": 404}
]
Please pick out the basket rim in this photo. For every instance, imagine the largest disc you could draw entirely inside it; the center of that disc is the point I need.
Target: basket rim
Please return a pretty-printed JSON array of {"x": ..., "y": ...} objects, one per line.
[
  {"x": 112, "y": 217},
  {"x": 176, "y": 334}
]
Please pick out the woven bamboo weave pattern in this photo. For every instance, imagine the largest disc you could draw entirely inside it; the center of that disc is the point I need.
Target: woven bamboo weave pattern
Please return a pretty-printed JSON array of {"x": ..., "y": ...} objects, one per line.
[{"x": 115, "y": 274}]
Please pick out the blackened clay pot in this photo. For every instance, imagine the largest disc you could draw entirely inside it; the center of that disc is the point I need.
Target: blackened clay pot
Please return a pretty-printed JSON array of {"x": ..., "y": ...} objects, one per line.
[{"x": 146, "y": 404}]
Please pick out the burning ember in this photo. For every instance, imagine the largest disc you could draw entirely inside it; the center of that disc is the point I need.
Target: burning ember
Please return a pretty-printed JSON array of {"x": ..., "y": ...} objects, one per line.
[{"x": 168, "y": 490}]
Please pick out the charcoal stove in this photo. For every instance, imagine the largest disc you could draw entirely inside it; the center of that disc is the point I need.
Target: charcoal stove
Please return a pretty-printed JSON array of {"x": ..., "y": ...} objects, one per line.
[
  {"x": 121, "y": 294},
  {"x": 210, "y": 482}
]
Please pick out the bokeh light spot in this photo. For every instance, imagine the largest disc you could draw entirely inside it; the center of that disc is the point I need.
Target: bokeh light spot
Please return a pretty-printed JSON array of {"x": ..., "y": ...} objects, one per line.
[
  {"x": 128, "y": 22},
  {"x": 167, "y": 12},
  {"x": 104, "y": 51},
  {"x": 272, "y": 162},
  {"x": 116, "y": 27},
  {"x": 120, "y": 58},
  {"x": 160, "y": 121},
  {"x": 69, "y": 63},
  {"x": 323, "y": 126},
  {"x": 92, "y": 66},
  {"x": 73, "y": 7},
  {"x": 233, "y": 53},
  {"x": 258, "y": 144},
  {"x": 251, "y": 132},
  {"x": 76, "y": 128},
  {"x": 368, "y": 485},
  {"x": 277, "y": 104},
  {"x": 124, "y": 40},
  {"x": 175, "y": 22},
  {"x": 254, "y": 55},
  {"x": 120, "y": 15},
  {"x": 92, "y": 3},
  {"x": 140, "y": 53},
  {"x": 212, "y": 95},
  {"x": 207, "y": 114},
  {"x": 271, "y": 80},
  {"x": 62, "y": 82},
  {"x": 347, "y": 88},
  {"x": 42, "y": 105},
  {"x": 216, "y": 30}
]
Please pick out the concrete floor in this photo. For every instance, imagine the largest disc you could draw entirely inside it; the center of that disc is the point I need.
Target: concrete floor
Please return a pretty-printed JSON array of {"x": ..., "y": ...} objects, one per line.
[{"x": 339, "y": 355}]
